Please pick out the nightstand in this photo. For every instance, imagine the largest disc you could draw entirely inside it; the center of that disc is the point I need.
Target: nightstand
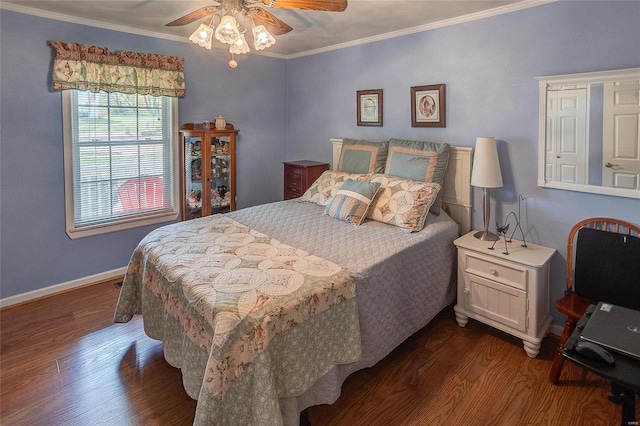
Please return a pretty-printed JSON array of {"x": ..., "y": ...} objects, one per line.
[
  {"x": 299, "y": 175},
  {"x": 508, "y": 292}
]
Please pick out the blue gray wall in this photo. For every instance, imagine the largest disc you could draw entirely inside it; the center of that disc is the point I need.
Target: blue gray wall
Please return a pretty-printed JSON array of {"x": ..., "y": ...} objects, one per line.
[
  {"x": 35, "y": 250},
  {"x": 489, "y": 67}
]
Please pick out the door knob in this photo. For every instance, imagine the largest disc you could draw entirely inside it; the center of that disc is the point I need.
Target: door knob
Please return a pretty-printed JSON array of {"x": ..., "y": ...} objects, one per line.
[{"x": 609, "y": 165}]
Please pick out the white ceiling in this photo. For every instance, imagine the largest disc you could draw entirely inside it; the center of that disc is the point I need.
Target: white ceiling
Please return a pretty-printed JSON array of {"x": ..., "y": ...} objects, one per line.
[{"x": 313, "y": 31}]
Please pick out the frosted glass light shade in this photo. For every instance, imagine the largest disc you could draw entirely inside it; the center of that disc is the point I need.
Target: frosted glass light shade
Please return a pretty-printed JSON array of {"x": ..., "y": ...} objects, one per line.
[
  {"x": 227, "y": 31},
  {"x": 486, "y": 171},
  {"x": 240, "y": 46},
  {"x": 202, "y": 36},
  {"x": 262, "y": 38}
]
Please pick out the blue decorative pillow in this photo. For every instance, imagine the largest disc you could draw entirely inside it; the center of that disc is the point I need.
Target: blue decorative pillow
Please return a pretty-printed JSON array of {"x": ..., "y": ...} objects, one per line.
[
  {"x": 351, "y": 202},
  {"x": 420, "y": 161},
  {"x": 361, "y": 156}
]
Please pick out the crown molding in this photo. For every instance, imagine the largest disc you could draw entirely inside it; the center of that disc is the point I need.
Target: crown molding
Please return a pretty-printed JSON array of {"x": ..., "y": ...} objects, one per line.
[
  {"x": 526, "y": 4},
  {"x": 89, "y": 22},
  {"x": 131, "y": 30},
  {"x": 12, "y": 7}
]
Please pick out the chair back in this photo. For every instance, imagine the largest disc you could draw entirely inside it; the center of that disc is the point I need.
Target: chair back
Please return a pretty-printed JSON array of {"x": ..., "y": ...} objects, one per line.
[
  {"x": 141, "y": 194},
  {"x": 607, "y": 261}
]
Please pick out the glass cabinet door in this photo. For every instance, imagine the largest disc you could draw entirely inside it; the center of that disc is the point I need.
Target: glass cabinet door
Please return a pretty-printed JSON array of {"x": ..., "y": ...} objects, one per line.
[
  {"x": 208, "y": 170},
  {"x": 220, "y": 186},
  {"x": 193, "y": 176}
]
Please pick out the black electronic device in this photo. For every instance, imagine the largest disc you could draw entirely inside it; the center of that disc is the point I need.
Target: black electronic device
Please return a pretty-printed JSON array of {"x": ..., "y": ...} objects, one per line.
[
  {"x": 597, "y": 353},
  {"x": 614, "y": 328}
]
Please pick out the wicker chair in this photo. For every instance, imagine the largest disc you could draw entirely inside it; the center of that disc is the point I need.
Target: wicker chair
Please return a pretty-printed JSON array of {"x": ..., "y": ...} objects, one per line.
[{"x": 601, "y": 275}]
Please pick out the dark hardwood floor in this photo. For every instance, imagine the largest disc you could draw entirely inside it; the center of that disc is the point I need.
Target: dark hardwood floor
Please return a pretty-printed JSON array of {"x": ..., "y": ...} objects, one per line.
[{"x": 64, "y": 362}]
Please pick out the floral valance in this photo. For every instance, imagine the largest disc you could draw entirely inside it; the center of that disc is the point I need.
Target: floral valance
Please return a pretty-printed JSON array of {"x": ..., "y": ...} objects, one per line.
[{"x": 92, "y": 68}]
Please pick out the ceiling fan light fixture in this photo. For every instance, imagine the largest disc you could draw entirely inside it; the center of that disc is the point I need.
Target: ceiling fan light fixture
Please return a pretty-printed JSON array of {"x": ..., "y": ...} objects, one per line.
[
  {"x": 234, "y": 18},
  {"x": 203, "y": 35},
  {"x": 227, "y": 31},
  {"x": 262, "y": 38},
  {"x": 240, "y": 46}
]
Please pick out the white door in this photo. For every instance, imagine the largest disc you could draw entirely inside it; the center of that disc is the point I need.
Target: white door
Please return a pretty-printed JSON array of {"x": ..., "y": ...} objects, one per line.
[
  {"x": 567, "y": 136},
  {"x": 621, "y": 137}
]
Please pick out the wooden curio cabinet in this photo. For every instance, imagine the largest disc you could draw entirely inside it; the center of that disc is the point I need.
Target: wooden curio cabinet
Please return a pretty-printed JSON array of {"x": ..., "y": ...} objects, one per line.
[{"x": 208, "y": 158}]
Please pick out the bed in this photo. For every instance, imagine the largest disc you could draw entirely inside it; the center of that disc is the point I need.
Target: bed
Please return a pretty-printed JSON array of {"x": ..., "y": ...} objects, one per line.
[{"x": 285, "y": 301}]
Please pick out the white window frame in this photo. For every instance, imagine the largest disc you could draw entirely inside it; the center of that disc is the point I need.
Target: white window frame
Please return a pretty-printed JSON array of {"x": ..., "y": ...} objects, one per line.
[{"x": 117, "y": 224}]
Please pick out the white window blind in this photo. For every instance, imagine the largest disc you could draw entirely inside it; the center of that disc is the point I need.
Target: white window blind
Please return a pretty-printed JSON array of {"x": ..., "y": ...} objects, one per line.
[{"x": 119, "y": 160}]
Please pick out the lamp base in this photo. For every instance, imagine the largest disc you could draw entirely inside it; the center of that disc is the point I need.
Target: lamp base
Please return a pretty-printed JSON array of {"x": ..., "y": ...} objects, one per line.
[{"x": 486, "y": 236}]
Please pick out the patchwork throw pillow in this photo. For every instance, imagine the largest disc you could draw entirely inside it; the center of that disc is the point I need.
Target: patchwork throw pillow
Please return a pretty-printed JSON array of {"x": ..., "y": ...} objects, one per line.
[
  {"x": 420, "y": 161},
  {"x": 352, "y": 201},
  {"x": 402, "y": 202},
  {"x": 361, "y": 156},
  {"x": 327, "y": 185}
]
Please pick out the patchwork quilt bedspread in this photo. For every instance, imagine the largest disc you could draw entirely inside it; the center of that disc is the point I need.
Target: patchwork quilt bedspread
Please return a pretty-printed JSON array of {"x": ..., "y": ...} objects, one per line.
[{"x": 261, "y": 316}]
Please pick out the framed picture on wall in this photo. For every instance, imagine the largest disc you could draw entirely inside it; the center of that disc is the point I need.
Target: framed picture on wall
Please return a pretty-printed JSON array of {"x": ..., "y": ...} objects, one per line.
[
  {"x": 428, "y": 106},
  {"x": 369, "y": 107}
]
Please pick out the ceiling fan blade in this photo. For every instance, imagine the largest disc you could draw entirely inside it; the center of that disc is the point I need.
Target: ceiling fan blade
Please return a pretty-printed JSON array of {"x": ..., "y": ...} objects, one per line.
[
  {"x": 274, "y": 25},
  {"x": 328, "y": 5},
  {"x": 193, "y": 16}
]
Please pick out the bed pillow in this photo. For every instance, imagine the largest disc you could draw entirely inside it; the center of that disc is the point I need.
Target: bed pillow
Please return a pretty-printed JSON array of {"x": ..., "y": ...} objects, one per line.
[
  {"x": 420, "y": 161},
  {"x": 402, "y": 202},
  {"x": 352, "y": 201},
  {"x": 361, "y": 156},
  {"x": 327, "y": 185}
]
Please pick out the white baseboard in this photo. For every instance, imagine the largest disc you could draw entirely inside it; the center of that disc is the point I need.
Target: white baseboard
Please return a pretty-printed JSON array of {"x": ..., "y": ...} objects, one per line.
[
  {"x": 57, "y": 288},
  {"x": 556, "y": 329}
]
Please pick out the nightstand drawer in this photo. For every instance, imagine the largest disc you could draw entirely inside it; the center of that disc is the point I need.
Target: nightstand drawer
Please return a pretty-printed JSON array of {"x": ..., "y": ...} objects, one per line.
[
  {"x": 293, "y": 179},
  {"x": 506, "y": 273},
  {"x": 501, "y": 303},
  {"x": 293, "y": 170},
  {"x": 293, "y": 191}
]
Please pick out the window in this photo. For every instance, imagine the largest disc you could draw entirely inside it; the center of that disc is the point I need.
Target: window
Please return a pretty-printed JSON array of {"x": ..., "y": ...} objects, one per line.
[{"x": 120, "y": 161}]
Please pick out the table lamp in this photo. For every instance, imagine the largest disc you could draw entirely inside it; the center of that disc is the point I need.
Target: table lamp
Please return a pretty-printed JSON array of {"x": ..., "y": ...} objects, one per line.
[{"x": 486, "y": 174}]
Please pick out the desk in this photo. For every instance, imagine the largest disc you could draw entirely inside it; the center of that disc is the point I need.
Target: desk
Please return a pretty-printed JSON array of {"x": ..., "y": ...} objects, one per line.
[{"x": 624, "y": 375}]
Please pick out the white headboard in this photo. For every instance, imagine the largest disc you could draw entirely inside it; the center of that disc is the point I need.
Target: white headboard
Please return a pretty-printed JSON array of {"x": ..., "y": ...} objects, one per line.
[{"x": 456, "y": 192}]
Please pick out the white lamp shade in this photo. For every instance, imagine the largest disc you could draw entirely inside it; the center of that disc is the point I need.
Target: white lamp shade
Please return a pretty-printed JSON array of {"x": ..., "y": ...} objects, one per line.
[
  {"x": 202, "y": 36},
  {"x": 227, "y": 31},
  {"x": 262, "y": 38},
  {"x": 486, "y": 166},
  {"x": 240, "y": 46}
]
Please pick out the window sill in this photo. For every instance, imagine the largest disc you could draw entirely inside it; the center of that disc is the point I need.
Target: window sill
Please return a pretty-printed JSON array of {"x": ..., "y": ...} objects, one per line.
[{"x": 128, "y": 223}]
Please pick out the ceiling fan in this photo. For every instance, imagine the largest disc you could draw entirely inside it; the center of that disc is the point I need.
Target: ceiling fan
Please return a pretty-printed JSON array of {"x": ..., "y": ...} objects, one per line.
[{"x": 236, "y": 15}]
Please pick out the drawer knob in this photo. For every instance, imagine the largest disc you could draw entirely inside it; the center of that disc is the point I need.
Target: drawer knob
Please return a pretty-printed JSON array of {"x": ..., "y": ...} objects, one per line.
[{"x": 493, "y": 271}]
